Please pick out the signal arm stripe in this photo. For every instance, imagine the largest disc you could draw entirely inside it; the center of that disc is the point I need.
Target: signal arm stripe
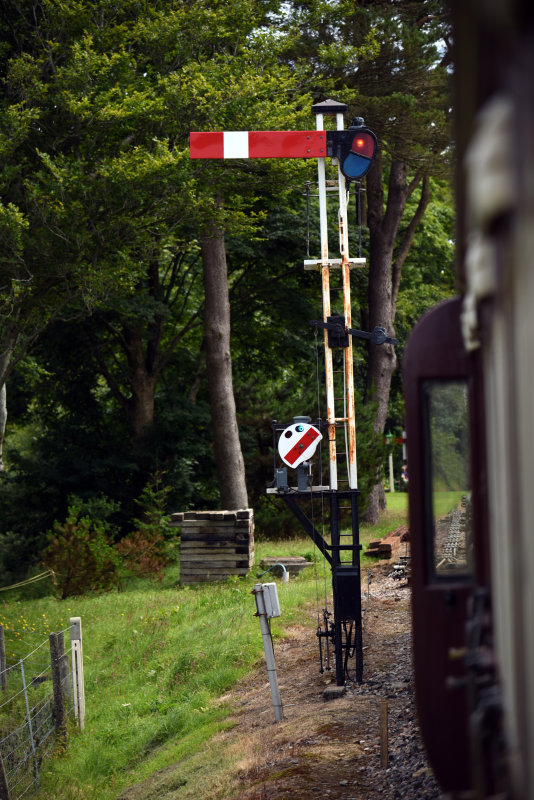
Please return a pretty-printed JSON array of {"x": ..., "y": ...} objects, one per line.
[
  {"x": 303, "y": 443},
  {"x": 235, "y": 144}
]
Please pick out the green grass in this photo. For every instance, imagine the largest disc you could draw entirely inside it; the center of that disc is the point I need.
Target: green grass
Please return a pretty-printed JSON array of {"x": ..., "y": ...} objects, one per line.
[
  {"x": 445, "y": 502},
  {"x": 395, "y": 515},
  {"x": 397, "y": 502},
  {"x": 157, "y": 657}
]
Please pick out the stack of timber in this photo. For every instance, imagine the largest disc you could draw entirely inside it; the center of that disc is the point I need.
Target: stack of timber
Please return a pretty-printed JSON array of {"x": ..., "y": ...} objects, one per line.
[
  {"x": 215, "y": 544},
  {"x": 389, "y": 546}
]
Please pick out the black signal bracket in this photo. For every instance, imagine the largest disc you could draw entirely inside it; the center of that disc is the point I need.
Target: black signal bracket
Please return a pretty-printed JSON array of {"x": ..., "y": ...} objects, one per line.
[{"x": 338, "y": 334}]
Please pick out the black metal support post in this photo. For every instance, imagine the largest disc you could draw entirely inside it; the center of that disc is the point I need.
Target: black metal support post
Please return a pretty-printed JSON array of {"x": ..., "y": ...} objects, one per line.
[{"x": 344, "y": 560}]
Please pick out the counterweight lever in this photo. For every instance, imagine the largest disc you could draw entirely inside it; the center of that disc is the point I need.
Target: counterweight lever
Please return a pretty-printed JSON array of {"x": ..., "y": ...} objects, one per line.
[{"x": 338, "y": 334}]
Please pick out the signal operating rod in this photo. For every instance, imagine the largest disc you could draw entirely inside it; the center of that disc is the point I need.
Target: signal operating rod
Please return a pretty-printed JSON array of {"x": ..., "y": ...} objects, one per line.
[{"x": 345, "y": 275}]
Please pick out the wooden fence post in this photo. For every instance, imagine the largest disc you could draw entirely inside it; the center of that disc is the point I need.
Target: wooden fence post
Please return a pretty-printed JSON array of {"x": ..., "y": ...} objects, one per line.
[
  {"x": 64, "y": 666},
  {"x": 31, "y": 735},
  {"x": 3, "y": 673},
  {"x": 77, "y": 670},
  {"x": 59, "y": 705},
  {"x": 4, "y": 789}
]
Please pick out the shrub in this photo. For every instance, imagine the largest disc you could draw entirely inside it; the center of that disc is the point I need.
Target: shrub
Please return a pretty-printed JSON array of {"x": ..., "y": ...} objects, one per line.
[
  {"x": 274, "y": 521},
  {"x": 80, "y": 553},
  {"x": 148, "y": 550},
  {"x": 152, "y": 501},
  {"x": 144, "y": 555}
]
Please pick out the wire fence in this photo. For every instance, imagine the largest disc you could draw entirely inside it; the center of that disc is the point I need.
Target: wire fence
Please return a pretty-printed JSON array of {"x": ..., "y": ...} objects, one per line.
[{"x": 38, "y": 694}]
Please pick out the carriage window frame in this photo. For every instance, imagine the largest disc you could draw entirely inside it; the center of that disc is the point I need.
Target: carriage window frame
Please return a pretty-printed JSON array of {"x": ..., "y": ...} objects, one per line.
[{"x": 448, "y": 531}]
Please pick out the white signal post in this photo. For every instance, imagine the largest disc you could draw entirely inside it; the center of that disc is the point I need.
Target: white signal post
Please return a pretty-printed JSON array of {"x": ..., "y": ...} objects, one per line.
[{"x": 325, "y": 279}]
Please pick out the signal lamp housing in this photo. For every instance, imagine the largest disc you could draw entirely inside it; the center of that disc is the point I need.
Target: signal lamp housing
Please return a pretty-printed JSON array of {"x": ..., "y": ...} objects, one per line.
[{"x": 355, "y": 149}]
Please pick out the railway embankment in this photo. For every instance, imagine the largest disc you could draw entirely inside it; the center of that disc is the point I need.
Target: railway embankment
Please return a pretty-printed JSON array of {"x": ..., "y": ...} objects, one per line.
[{"x": 364, "y": 745}]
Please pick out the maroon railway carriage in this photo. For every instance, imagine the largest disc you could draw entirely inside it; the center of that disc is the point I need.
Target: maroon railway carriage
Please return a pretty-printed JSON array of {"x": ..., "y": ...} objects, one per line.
[{"x": 469, "y": 386}]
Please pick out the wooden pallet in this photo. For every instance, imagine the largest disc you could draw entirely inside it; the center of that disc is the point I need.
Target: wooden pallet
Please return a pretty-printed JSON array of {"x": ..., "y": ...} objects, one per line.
[{"x": 215, "y": 544}]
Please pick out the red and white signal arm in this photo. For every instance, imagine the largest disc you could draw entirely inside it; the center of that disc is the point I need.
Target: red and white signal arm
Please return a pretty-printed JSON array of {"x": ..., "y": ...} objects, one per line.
[
  {"x": 257, "y": 144},
  {"x": 297, "y": 443}
]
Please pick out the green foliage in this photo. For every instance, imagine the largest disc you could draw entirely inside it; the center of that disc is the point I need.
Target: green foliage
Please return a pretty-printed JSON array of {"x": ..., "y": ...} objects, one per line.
[
  {"x": 152, "y": 503},
  {"x": 143, "y": 556},
  {"x": 150, "y": 547},
  {"x": 386, "y": 61},
  {"x": 273, "y": 521},
  {"x": 449, "y": 429},
  {"x": 101, "y": 216},
  {"x": 79, "y": 551}
]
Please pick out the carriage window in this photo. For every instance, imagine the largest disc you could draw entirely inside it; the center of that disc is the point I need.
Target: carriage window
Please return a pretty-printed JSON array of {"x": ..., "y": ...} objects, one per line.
[{"x": 448, "y": 481}]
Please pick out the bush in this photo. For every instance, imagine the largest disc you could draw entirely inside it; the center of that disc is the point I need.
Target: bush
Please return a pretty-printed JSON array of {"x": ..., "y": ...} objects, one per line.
[
  {"x": 79, "y": 551},
  {"x": 274, "y": 521},
  {"x": 147, "y": 551},
  {"x": 143, "y": 555}
]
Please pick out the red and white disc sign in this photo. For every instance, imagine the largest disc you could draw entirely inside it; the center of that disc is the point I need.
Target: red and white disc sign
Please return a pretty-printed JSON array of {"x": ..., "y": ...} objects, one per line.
[{"x": 298, "y": 442}]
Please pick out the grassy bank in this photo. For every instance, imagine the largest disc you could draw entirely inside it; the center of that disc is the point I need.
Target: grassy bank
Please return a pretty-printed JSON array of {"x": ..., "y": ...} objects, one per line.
[{"x": 157, "y": 658}]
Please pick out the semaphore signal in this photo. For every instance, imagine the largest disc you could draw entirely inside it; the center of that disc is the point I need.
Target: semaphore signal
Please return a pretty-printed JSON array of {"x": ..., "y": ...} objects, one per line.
[{"x": 353, "y": 150}]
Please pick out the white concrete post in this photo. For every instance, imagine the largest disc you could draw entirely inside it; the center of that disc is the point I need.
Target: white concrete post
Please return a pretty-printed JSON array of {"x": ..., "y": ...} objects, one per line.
[{"x": 78, "y": 689}]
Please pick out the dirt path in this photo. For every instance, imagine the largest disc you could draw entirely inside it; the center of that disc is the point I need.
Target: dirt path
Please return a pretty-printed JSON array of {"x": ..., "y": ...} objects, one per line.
[
  {"x": 324, "y": 749},
  {"x": 336, "y": 749}
]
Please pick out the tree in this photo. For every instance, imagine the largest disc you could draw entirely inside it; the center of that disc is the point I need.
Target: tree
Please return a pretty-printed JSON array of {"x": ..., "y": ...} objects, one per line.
[
  {"x": 100, "y": 102},
  {"x": 103, "y": 215},
  {"x": 398, "y": 82},
  {"x": 227, "y": 448},
  {"x": 104, "y": 181},
  {"x": 3, "y": 421}
]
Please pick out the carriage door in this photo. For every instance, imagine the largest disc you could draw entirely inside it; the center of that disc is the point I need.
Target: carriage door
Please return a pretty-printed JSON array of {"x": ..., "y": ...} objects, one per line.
[{"x": 444, "y": 421}]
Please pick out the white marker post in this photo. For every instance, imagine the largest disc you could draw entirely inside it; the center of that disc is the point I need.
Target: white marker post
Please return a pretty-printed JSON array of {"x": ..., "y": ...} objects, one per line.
[
  {"x": 267, "y": 606},
  {"x": 77, "y": 670}
]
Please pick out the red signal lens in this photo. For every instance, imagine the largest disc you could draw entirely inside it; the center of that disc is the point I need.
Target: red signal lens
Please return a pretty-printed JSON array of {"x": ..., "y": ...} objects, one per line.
[{"x": 364, "y": 145}]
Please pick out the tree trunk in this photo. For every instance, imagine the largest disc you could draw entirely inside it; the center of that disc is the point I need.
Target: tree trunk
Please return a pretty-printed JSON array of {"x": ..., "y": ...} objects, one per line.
[
  {"x": 143, "y": 379},
  {"x": 226, "y": 445},
  {"x": 5, "y": 362},
  {"x": 3, "y": 420},
  {"x": 141, "y": 404},
  {"x": 384, "y": 280}
]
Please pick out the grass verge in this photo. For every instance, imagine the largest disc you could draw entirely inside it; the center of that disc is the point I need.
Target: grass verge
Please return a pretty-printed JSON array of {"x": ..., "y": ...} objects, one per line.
[{"x": 157, "y": 658}]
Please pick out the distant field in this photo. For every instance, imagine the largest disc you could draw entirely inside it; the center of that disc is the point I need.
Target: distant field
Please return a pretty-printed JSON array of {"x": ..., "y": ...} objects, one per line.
[
  {"x": 397, "y": 502},
  {"x": 444, "y": 502}
]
